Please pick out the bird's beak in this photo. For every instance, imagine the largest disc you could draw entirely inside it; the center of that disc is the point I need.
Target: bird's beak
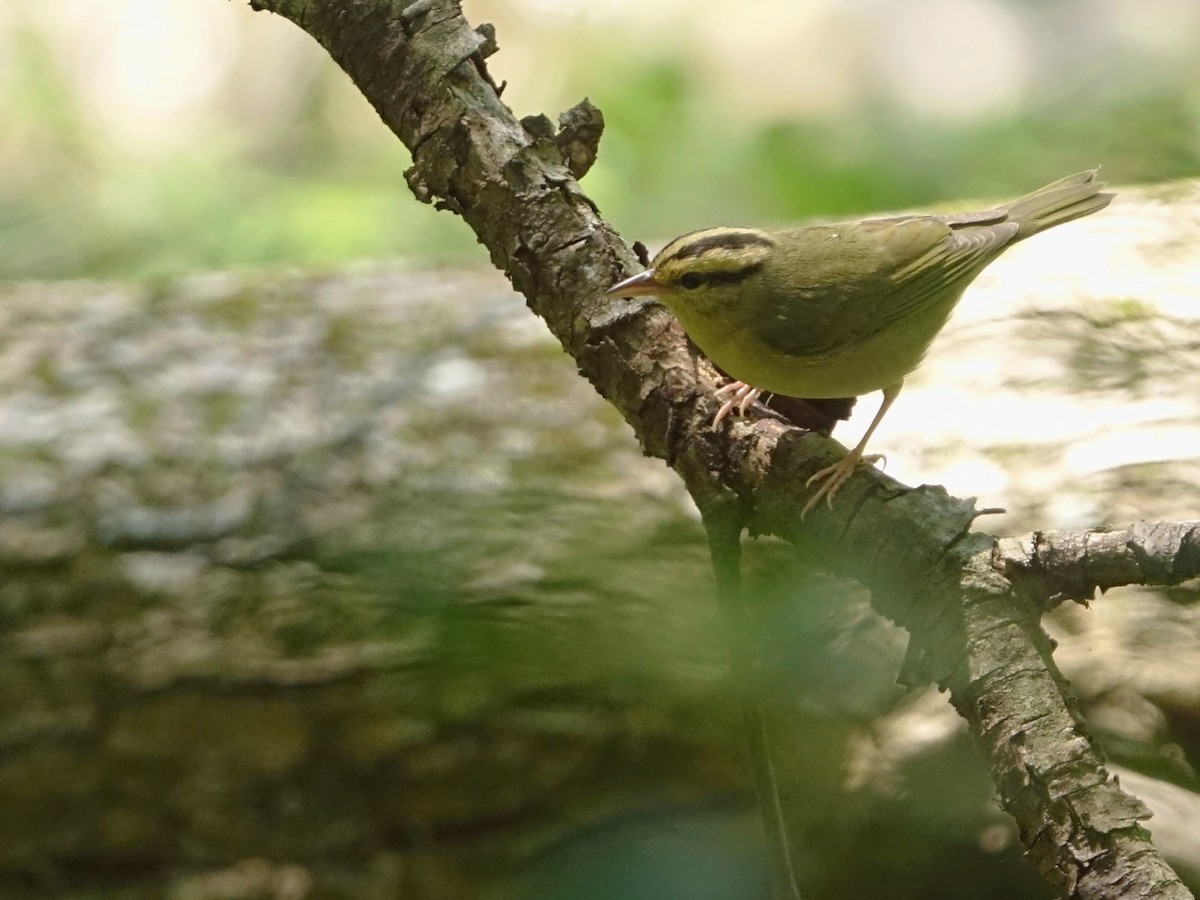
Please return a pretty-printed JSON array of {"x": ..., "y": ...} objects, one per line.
[{"x": 638, "y": 286}]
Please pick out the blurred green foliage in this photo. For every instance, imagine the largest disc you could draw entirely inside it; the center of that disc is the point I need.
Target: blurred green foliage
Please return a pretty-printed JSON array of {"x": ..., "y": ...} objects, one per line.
[{"x": 323, "y": 183}]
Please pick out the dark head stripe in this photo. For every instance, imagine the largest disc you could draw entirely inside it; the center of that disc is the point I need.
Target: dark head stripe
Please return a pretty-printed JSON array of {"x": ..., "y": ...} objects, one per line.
[{"x": 725, "y": 240}]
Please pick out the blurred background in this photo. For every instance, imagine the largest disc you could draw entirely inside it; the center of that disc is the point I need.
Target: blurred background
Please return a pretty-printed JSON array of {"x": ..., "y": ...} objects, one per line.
[
  {"x": 166, "y": 136},
  {"x": 324, "y": 575}
]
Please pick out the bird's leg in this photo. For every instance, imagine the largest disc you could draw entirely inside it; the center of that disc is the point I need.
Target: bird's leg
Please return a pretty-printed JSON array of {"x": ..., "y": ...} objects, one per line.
[
  {"x": 835, "y": 476},
  {"x": 736, "y": 395}
]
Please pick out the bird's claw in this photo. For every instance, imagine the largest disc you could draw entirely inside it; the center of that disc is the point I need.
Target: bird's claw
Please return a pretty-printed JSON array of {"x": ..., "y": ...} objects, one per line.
[
  {"x": 835, "y": 476},
  {"x": 736, "y": 395}
]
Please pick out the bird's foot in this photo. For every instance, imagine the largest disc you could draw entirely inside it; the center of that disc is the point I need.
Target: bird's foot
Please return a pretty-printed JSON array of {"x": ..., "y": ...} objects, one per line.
[
  {"x": 833, "y": 477},
  {"x": 736, "y": 395}
]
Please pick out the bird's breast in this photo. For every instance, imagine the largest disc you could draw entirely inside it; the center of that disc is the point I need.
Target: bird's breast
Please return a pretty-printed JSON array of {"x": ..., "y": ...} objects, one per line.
[{"x": 853, "y": 366}]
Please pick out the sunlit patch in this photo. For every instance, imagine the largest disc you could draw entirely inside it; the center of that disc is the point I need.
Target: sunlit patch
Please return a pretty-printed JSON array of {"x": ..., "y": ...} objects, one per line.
[
  {"x": 1159, "y": 27},
  {"x": 558, "y": 9},
  {"x": 954, "y": 59},
  {"x": 157, "y": 62}
]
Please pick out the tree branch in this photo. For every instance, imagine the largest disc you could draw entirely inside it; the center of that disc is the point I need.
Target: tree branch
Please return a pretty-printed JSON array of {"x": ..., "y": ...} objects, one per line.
[
  {"x": 420, "y": 64},
  {"x": 1071, "y": 565}
]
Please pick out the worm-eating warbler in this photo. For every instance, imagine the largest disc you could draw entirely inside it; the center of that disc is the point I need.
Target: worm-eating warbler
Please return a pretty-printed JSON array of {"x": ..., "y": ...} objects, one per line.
[{"x": 839, "y": 310}]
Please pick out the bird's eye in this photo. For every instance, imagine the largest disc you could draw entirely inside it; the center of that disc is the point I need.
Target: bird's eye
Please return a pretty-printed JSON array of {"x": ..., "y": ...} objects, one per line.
[{"x": 691, "y": 281}]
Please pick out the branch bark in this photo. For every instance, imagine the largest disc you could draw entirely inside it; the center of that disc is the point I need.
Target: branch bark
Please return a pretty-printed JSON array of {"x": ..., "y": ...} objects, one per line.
[
  {"x": 422, "y": 66},
  {"x": 1072, "y": 565}
]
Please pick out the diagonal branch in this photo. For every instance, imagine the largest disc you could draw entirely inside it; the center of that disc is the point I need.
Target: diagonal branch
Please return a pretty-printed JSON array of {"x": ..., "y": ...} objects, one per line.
[{"x": 421, "y": 65}]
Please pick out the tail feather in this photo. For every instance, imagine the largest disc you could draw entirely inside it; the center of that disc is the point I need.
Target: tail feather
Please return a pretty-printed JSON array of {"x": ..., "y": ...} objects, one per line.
[{"x": 1066, "y": 199}]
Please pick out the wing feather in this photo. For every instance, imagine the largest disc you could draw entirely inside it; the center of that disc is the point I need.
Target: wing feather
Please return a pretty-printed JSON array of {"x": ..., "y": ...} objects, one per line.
[{"x": 906, "y": 268}]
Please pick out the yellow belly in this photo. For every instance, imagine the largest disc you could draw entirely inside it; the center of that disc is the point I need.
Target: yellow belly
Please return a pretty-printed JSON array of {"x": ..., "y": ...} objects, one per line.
[
  {"x": 850, "y": 372},
  {"x": 858, "y": 367}
]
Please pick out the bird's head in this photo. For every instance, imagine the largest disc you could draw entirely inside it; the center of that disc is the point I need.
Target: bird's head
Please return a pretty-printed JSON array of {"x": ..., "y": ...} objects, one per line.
[{"x": 702, "y": 270}]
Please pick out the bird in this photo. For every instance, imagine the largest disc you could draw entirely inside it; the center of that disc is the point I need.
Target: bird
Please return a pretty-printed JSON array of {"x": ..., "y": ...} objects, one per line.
[{"x": 839, "y": 310}]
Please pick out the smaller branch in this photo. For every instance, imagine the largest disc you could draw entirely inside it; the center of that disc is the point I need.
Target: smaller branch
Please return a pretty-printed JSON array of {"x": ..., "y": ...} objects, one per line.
[
  {"x": 1071, "y": 565},
  {"x": 724, "y": 529}
]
